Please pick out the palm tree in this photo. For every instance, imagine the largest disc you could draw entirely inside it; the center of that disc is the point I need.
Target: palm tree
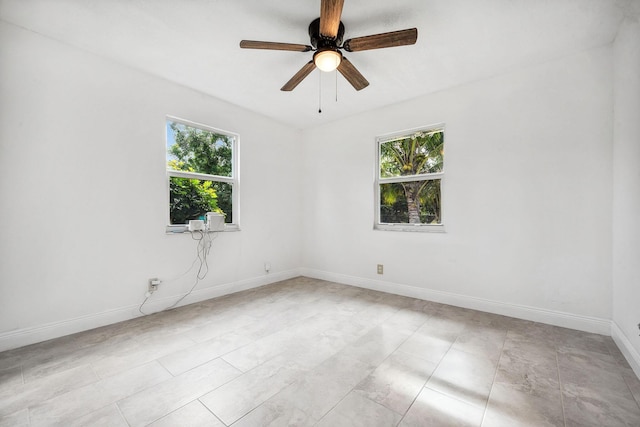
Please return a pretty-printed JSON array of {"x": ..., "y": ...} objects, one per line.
[{"x": 418, "y": 154}]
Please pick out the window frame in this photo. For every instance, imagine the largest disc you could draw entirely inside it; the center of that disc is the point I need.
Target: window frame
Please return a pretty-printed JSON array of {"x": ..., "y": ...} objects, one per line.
[
  {"x": 379, "y": 180},
  {"x": 233, "y": 180}
]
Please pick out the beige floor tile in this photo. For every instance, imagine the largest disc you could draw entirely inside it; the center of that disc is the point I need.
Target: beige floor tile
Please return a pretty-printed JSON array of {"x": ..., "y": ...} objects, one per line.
[
  {"x": 376, "y": 345},
  {"x": 633, "y": 383},
  {"x": 407, "y": 319},
  {"x": 313, "y": 350},
  {"x": 435, "y": 409},
  {"x": 192, "y": 415},
  {"x": 67, "y": 407},
  {"x": 193, "y": 356},
  {"x": 496, "y": 321},
  {"x": 585, "y": 407},
  {"x": 581, "y": 356},
  {"x": 109, "y": 416},
  {"x": 16, "y": 419},
  {"x": 481, "y": 340},
  {"x": 36, "y": 369},
  {"x": 397, "y": 381},
  {"x": 510, "y": 406},
  {"x": 288, "y": 339},
  {"x": 526, "y": 346},
  {"x": 615, "y": 352},
  {"x": 219, "y": 325},
  {"x": 87, "y": 347},
  {"x": 276, "y": 412},
  {"x": 579, "y": 340},
  {"x": 143, "y": 352},
  {"x": 454, "y": 316},
  {"x": 439, "y": 326},
  {"x": 545, "y": 336},
  {"x": 426, "y": 347},
  {"x": 464, "y": 376},
  {"x": 355, "y": 410},
  {"x": 25, "y": 395},
  {"x": 315, "y": 392},
  {"x": 580, "y": 371},
  {"x": 10, "y": 378},
  {"x": 307, "y": 400},
  {"x": 42, "y": 354},
  {"x": 528, "y": 373},
  {"x": 16, "y": 357},
  {"x": 233, "y": 400},
  {"x": 155, "y": 402}
]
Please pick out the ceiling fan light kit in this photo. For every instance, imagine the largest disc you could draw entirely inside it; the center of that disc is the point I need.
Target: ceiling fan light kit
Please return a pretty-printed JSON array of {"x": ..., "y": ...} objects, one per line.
[
  {"x": 326, "y": 34},
  {"x": 327, "y": 60}
]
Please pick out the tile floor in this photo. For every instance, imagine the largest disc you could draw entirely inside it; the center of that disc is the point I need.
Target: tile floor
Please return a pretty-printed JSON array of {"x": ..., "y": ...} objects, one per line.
[{"x": 306, "y": 352}]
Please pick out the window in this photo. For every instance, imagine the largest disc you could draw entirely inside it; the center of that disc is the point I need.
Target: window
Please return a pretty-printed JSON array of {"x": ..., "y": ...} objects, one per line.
[
  {"x": 202, "y": 170},
  {"x": 408, "y": 180}
]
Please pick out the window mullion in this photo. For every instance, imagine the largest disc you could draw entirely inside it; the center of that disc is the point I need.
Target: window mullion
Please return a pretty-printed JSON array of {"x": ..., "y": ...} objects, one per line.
[
  {"x": 410, "y": 178},
  {"x": 202, "y": 176}
]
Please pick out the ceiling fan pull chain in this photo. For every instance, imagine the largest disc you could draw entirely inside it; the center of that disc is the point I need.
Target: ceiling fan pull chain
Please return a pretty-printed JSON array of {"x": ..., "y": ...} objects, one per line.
[
  {"x": 319, "y": 93},
  {"x": 336, "y": 72}
]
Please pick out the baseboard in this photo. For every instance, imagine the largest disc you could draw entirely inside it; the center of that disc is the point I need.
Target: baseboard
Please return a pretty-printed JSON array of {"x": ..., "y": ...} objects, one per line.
[
  {"x": 218, "y": 291},
  {"x": 26, "y": 336},
  {"x": 556, "y": 318},
  {"x": 21, "y": 337},
  {"x": 625, "y": 346}
]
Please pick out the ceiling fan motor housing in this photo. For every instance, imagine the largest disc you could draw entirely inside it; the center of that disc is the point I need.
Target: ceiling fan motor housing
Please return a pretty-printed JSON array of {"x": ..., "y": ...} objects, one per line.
[{"x": 321, "y": 42}]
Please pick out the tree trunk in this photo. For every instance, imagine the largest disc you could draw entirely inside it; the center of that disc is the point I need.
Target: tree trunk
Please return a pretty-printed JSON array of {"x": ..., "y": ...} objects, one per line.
[{"x": 411, "y": 191}]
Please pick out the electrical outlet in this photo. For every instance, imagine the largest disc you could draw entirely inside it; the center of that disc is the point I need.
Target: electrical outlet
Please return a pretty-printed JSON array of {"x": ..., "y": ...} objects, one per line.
[
  {"x": 267, "y": 267},
  {"x": 380, "y": 269},
  {"x": 153, "y": 284}
]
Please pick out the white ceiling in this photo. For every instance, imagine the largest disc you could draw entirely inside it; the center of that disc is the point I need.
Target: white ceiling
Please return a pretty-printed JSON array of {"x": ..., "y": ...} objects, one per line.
[{"x": 195, "y": 43}]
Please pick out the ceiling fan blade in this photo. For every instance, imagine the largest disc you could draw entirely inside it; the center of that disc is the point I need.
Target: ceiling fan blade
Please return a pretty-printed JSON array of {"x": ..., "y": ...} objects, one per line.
[
  {"x": 299, "y": 76},
  {"x": 379, "y": 41},
  {"x": 352, "y": 75},
  {"x": 330, "y": 12},
  {"x": 253, "y": 44}
]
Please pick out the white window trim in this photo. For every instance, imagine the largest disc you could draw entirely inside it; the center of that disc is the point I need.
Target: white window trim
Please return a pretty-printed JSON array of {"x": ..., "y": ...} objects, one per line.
[
  {"x": 234, "y": 180},
  {"x": 378, "y": 180}
]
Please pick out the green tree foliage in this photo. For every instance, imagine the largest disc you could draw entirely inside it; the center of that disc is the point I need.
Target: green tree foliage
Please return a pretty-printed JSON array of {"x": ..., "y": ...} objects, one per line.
[
  {"x": 414, "y": 202},
  {"x": 191, "y": 199},
  {"x": 201, "y": 151}
]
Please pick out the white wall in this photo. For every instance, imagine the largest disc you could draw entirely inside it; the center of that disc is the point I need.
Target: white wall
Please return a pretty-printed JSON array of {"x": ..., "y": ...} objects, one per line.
[
  {"x": 626, "y": 190},
  {"x": 83, "y": 191},
  {"x": 526, "y": 196}
]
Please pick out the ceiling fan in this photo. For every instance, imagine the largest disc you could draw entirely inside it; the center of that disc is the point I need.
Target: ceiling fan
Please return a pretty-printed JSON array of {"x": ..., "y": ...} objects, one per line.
[{"x": 326, "y": 35}]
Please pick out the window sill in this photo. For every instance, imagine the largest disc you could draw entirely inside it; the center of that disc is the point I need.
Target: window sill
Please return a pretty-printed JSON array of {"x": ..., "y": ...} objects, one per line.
[
  {"x": 181, "y": 229},
  {"x": 420, "y": 228}
]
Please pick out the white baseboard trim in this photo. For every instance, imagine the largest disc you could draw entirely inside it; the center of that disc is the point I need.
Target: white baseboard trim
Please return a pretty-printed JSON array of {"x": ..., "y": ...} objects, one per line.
[
  {"x": 625, "y": 346},
  {"x": 217, "y": 291},
  {"x": 21, "y": 337},
  {"x": 556, "y": 318}
]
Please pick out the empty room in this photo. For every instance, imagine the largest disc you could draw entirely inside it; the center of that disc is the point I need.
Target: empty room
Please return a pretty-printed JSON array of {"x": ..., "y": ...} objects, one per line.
[{"x": 321, "y": 212}]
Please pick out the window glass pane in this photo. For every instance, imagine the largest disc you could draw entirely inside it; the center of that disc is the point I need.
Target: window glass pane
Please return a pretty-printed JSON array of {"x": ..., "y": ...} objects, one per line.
[
  {"x": 224, "y": 192},
  {"x": 418, "y": 153},
  {"x": 193, "y": 198},
  {"x": 197, "y": 150},
  {"x": 415, "y": 202}
]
